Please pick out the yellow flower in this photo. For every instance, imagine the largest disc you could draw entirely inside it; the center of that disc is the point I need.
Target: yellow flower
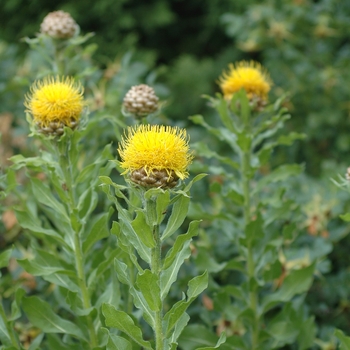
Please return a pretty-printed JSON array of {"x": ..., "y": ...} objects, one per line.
[
  {"x": 55, "y": 100},
  {"x": 155, "y": 148},
  {"x": 250, "y": 76}
]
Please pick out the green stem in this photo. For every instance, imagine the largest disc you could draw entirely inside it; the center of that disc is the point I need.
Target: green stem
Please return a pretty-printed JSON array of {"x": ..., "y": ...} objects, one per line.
[
  {"x": 253, "y": 297},
  {"x": 156, "y": 270},
  {"x": 8, "y": 328},
  {"x": 67, "y": 169}
]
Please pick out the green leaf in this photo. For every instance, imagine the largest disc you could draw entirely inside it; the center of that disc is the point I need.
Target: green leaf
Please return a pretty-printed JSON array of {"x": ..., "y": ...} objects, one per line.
[
  {"x": 203, "y": 150},
  {"x": 98, "y": 231},
  {"x": 255, "y": 229},
  {"x": 4, "y": 336},
  {"x": 122, "y": 321},
  {"x": 180, "y": 325},
  {"x": 36, "y": 342},
  {"x": 222, "y": 108},
  {"x": 288, "y": 140},
  {"x": 132, "y": 237},
  {"x": 41, "y": 315},
  {"x": 124, "y": 244},
  {"x": 282, "y": 173},
  {"x": 141, "y": 304},
  {"x": 15, "y": 306},
  {"x": 177, "y": 217},
  {"x": 179, "y": 243},
  {"x": 345, "y": 217},
  {"x": 5, "y": 257},
  {"x": 169, "y": 275},
  {"x": 344, "y": 340},
  {"x": 122, "y": 272},
  {"x": 235, "y": 196},
  {"x": 87, "y": 202},
  {"x": 148, "y": 285},
  {"x": 163, "y": 200},
  {"x": 195, "y": 287},
  {"x": 32, "y": 223},
  {"x": 296, "y": 282},
  {"x": 195, "y": 336},
  {"x": 44, "y": 195},
  {"x": 221, "y": 341},
  {"x": 193, "y": 181},
  {"x": 118, "y": 343},
  {"x": 143, "y": 230}
]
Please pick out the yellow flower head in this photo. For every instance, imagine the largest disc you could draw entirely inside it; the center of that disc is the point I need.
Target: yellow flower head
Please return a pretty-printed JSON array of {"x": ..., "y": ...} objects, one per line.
[
  {"x": 155, "y": 147},
  {"x": 250, "y": 76},
  {"x": 55, "y": 100}
]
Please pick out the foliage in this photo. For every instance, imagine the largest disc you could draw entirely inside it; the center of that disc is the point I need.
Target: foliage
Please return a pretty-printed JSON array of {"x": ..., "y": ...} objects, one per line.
[{"x": 253, "y": 256}]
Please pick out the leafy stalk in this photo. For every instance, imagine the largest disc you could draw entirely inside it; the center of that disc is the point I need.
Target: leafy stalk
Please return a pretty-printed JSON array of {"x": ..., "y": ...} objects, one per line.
[
  {"x": 246, "y": 171},
  {"x": 67, "y": 168},
  {"x": 156, "y": 268}
]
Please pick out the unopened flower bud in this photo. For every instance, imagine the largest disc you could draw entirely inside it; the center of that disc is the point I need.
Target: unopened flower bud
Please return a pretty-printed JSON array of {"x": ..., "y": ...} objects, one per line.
[
  {"x": 59, "y": 25},
  {"x": 140, "y": 101}
]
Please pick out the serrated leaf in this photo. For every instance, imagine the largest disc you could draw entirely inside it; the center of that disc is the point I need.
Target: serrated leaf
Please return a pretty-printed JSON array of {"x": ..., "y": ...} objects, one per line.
[
  {"x": 177, "y": 217},
  {"x": 148, "y": 284},
  {"x": 41, "y": 315},
  {"x": 122, "y": 321}
]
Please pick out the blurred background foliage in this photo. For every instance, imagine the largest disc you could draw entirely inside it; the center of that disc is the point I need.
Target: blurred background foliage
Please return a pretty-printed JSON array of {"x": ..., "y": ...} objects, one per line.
[{"x": 181, "y": 47}]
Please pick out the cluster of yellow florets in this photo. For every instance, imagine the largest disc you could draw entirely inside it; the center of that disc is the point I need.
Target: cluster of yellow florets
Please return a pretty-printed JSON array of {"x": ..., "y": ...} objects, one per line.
[
  {"x": 155, "y": 147},
  {"x": 55, "y": 100},
  {"x": 250, "y": 76}
]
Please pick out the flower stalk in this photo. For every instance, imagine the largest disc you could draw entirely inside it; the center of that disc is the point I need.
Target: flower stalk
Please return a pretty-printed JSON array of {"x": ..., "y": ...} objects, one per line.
[
  {"x": 67, "y": 167},
  {"x": 156, "y": 268}
]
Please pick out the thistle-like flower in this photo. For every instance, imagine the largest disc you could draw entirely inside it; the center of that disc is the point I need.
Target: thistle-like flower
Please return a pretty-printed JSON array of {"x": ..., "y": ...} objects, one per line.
[
  {"x": 59, "y": 25},
  {"x": 55, "y": 103},
  {"x": 140, "y": 101},
  {"x": 251, "y": 77},
  {"x": 155, "y": 156}
]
